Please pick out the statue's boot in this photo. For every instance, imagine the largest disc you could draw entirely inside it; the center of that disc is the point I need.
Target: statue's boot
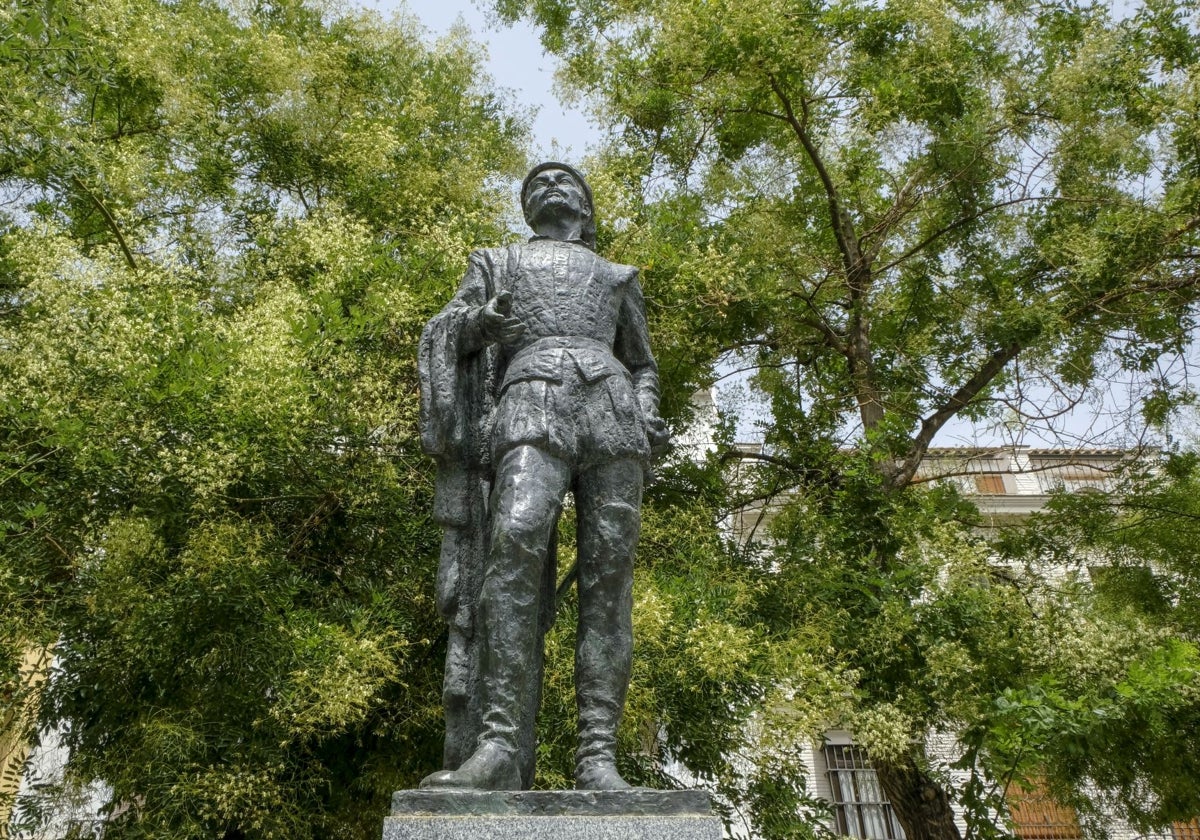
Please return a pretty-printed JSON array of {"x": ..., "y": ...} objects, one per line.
[
  {"x": 604, "y": 642},
  {"x": 595, "y": 762},
  {"x": 490, "y": 767},
  {"x": 598, "y": 774}
]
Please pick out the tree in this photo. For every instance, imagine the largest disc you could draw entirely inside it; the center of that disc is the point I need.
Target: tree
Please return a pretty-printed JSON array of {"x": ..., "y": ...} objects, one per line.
[
  {"x": 1123, "y": 717},
  {"x": 902, "y": 214},
  {"x": 225, "y": 225},
  {"x": 216, "y": 263}
]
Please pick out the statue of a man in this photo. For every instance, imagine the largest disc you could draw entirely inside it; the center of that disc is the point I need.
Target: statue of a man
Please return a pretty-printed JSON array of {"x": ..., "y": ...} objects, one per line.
[{"x": 537, "y": 379}]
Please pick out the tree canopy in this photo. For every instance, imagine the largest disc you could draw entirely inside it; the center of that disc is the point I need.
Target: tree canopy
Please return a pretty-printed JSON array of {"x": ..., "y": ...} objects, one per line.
[
  {"x": 225, "y": 223},
  {"x": 901, "y": 214}
]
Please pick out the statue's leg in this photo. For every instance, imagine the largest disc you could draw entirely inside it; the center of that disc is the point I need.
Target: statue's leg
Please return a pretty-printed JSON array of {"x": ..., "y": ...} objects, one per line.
[
  {"x": 460, "y": 553},
  {"x": 527, "y": 742},
  {"x": 608, "y": 499},
  {"x": 526, "y": 500}
]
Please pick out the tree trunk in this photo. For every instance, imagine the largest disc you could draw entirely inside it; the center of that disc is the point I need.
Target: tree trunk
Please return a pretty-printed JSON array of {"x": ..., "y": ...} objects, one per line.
[{"x": 921, "y": 806}]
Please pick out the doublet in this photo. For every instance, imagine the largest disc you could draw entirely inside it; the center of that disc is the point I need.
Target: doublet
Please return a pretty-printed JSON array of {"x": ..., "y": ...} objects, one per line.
[{"x": 580, "y": 382}]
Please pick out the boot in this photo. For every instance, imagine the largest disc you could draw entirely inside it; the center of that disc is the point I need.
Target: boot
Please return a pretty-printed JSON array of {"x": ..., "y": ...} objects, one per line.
[
  {"x": 600, "y": 683},
  {"x": 490, "y": 767},
  {"x": 597, "y": 773}
]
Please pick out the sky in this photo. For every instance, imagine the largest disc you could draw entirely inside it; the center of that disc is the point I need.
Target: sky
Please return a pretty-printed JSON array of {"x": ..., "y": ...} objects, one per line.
[{"x": 517, "y": 63}]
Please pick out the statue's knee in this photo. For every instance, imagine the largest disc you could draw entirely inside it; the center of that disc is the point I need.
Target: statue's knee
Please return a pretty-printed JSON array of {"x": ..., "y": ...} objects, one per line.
[
  {"x": 527, "y": 525},
  {"x": 618, "y": 523},
  {"x": 607, "y": 543}
]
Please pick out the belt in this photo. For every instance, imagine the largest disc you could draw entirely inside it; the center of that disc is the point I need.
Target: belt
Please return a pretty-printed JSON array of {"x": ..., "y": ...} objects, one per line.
[{"x": 562, "y": 342}]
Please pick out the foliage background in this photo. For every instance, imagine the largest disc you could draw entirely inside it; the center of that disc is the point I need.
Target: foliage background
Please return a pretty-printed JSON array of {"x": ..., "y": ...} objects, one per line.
[
  {"x": 224, "y": 224},
  {"x": 902, "y": 215}
]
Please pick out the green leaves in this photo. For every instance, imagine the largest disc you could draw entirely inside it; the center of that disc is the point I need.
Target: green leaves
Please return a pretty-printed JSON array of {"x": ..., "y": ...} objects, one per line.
[
  {"x": 894, "y": 216},
  {"x": 914, "y": 195},
  {"x": 227, "y": 229}
]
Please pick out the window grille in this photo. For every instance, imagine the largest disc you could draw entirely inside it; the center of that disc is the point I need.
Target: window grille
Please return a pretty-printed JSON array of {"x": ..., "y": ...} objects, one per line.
[
  {"x": 1036, "y": 816},
  {"x": 860, "y": 807},
  {"x": 1074, "y": 479}
]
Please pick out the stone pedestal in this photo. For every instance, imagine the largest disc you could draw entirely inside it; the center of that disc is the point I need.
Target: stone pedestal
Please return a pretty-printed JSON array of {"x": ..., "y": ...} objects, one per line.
[{"x": 551, "y": 815}]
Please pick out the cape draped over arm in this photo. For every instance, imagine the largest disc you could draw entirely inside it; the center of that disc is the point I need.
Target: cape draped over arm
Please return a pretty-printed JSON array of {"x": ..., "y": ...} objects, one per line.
[{"x": 457, "y": 374}]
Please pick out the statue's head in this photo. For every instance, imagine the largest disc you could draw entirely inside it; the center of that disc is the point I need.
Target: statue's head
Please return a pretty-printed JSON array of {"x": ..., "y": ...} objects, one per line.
[{"x": 554, "y": 188}]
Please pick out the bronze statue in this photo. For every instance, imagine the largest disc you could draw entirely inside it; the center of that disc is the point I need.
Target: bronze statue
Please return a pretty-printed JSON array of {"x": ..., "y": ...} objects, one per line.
[{"x": 537, "y": 379}]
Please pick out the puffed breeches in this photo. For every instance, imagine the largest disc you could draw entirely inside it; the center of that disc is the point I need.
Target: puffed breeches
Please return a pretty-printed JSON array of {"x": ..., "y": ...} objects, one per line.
[{"x": 583, "y": 423}]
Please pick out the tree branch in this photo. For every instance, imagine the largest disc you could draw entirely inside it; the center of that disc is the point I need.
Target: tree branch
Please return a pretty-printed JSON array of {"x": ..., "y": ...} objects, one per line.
[
  {"x": 108, "y": 218},
  {"x": 858, "y": 271},
  {"x": 955, "y": 225},
  {"x": 737, "y": 454},
  {"x": 903, "y": 203},
  {"x": 1094, "y": 306},
  {"x": 1002, "y": 356},
  {"x": 842, "y": 228},
  {"x": 959, "y": 400}
]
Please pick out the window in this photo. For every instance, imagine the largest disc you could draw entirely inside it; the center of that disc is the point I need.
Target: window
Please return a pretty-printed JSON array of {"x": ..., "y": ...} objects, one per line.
[
  {"x": 1036, "y": 816},
  {"x": 990, "y": 485},
  {"x": 1073, "y": 479},
  {"x": 860, "y": 808}
]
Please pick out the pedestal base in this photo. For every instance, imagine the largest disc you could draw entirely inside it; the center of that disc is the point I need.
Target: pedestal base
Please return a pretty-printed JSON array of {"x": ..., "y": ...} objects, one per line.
[{"x": 551, "y": 815}]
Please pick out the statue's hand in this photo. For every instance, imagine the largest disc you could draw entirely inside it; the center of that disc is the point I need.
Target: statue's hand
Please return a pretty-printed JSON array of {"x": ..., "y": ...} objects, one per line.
[
  {"x": 656, "y": 431},
  {"x": 496, "y": 322}
]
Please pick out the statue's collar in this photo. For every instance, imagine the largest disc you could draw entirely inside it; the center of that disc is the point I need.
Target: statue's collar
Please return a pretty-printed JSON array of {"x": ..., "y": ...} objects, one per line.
[{"x": 576, "y": 241}]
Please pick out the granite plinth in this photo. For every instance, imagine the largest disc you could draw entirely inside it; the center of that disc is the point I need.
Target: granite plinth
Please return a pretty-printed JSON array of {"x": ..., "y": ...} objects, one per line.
[{"x": 551, "y": 815}]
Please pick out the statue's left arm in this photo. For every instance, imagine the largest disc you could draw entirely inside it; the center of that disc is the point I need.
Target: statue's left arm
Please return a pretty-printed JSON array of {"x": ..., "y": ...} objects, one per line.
[{"x": 632, "y": 349}]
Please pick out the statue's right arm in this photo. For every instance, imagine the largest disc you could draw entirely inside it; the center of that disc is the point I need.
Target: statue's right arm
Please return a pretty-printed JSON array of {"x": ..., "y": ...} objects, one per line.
[
  {"x": 467, "y": 305},
  {"x": 447, "y": 344},
  {"x": 483, "y": 312},
  {"x": 448, "y": 347}
]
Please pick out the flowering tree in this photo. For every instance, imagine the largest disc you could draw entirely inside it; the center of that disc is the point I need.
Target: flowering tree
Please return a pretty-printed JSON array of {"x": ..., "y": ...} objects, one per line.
[{"x": 224, "y": 227}]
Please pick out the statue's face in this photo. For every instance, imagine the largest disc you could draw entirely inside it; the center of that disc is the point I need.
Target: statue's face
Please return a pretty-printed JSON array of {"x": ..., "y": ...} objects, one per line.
[{"x": 554, "y": 192}]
